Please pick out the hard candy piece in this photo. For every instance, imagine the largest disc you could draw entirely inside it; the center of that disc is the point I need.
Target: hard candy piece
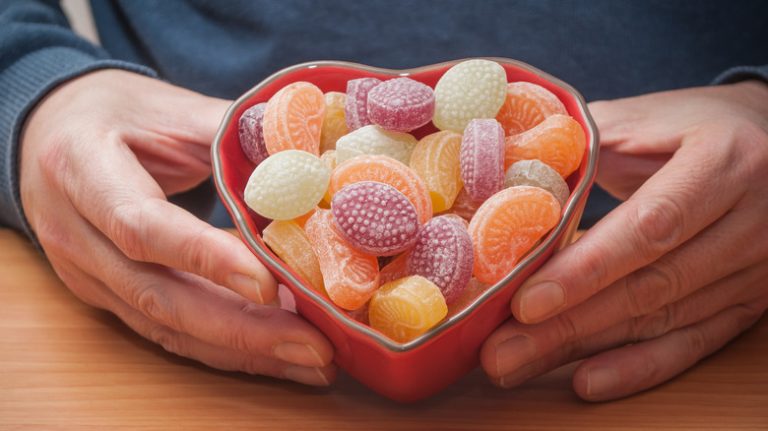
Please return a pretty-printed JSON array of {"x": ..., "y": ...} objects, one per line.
[
  {"x": 329, "y": 158},
  {"x": 537, "y": 174},
  {"x": 482, "y": 158},
  {"x": 396, "y": 269},
  {"x": 436, "y": 159},
  {"x": 293, "y": 119},
  {"x": 350, "y": 276},
  {"x": 401, "y": 104},
  {"x": 469, "y": 90},
  {"x": 526, "y": 105},
  {"x": 375, "y": 218},
  {"x": 356, "y": 106},
  {"x": 302, "y": 219},
  {"x": 373, "y": 140},
  {"x": 385, "y": 170},
  {"x": 558, "y": 141},
  {"x": 289, "y": 242},
  {"x": 507, "y": 226},
  {"x": 457, "y": 218},
  {"x": 464, "y": 206},
  {"x": 443, "y": 255},
  {"x": 406, "y": 308},
  {"x": 334, "y": 121},
  {"x": 251, "y": 133},
  {"x": 287, "y": 185},
  {"x": 473, "y": 290}
]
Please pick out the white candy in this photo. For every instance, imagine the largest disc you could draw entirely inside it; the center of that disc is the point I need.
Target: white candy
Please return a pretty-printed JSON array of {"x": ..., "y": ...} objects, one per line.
[
  {"x": 373, "y": 140},
  {"x": 469, "y": 90}
]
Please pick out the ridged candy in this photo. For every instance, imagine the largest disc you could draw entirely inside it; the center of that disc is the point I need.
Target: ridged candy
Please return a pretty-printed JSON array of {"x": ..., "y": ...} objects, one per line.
[
  {"x": 251, "y": 133},
  {"x": 469, "y": 90},
  {"x": 288, "y": 240},
  {"x": 443, "y": 255},
  {"x": 375, "y": 218},
  {"x": 401, "y": 104},
  {"x": 293, "y": 119},
  {"x": 537, "y": 174},
  {"x": 436, "y": 159},
  {"x": 373, "y": 140},
  {"x": 526, "y": 105},
  {"x": 334, "y": 121},
  {"x": 558, "y": 141},
  {"x": 286, "y": 185},
  {"x": 356, "y": 105},
  {"x": 482, "y": 158}
]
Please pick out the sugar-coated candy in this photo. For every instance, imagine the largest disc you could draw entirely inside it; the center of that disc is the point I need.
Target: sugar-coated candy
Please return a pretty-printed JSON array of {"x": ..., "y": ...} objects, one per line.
[
  {"x": 287, "y": 185},
  {"x": 443, "y": 255},
  {"x": 329, "y": 158},
  {"x": 537, "y": 174},
  {"x": 356, "y": 105},
  {"x": 526, "y": 105},
  {"x": 507, "y": 226},
  {"x": 372, "y": 140},
  {"x": 469, "y": 90},
  {"x": 375, "y": 218},
  {"x": 385, "y": 170},
  {"x": 293, "y": 119},
  {"x": 436, "y": 159},
  {"x": 457, "y": 218},
  {"x": 350, "y": 276},
  {"x": 558, "y": 141},
  {"x": 401, "y": 104},
  {"x": 395, "y": 269},
  {"x": 251, "y": 133},
  {"x": 406, "y": 308},
  {"x": 482, "y": 158},
  {"x": 334, "y": 122},
  {"x": 289, "y": 242}
]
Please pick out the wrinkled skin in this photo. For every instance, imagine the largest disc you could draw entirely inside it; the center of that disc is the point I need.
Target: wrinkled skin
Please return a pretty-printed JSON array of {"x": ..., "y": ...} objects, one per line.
[
  {"x": 100, "y": 155},
  {"x": 673, "y": 273}
]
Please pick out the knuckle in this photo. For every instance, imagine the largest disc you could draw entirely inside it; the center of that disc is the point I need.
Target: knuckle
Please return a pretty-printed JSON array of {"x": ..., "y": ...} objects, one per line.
[
  {"x": 653, "y": 325},
  {"x": 167, "y": 339},
  {"x": 652, "y": 287},
  {"x": 151, "y": 302},
  {"x": 195, "y": 254},
  {"x": 567, "y": 330},
  {"x": 124, "y": 229},
  {"x": 54, "y": 239},
  {"x": 659, "y": 225},
  {"x": 696, "y": 341},
  {"x": 54, "y": 157}
]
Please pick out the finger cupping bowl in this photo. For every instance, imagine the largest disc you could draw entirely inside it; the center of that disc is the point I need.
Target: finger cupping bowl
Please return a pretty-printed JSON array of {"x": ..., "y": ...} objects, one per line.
[{"x": 425, "y": 365}]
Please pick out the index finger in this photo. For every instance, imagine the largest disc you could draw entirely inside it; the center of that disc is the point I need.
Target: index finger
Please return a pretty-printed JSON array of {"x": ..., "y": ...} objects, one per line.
[{"x": 694, "y": 189}]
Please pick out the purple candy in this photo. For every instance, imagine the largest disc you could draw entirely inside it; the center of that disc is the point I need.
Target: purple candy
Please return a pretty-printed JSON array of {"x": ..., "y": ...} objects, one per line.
[
  {"x": 375, "y": 218},
  {"x": 252, "y": 134},
  {"x": 443, "y": 255},
  {"x": 356, "y": 104},
  {"x": 482, "y": 158},
  {"x": 401, "y": 104}
]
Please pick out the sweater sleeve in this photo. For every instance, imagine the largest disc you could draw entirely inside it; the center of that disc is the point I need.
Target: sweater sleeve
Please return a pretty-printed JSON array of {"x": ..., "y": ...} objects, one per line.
[
  {"x": 38, "y": 51},
  {"x": 742, "y": 73}
]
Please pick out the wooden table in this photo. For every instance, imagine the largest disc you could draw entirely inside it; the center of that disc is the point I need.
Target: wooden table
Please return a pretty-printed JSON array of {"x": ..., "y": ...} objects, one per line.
[{"x": 64, "y": 365}]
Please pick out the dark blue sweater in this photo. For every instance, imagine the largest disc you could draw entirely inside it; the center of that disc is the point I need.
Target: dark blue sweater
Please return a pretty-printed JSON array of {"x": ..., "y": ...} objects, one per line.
[{"x": 605, "y": 48}]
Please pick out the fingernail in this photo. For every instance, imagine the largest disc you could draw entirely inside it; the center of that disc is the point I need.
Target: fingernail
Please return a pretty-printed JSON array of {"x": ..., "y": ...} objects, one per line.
[
  {"x": 308, "y": 376},
  {"x": 248, "y": 286},
  {"x": 601, "y": 381},
  {"x": 513, "y": 354},
  {"x": 299, "y": 354},
  {"x": 522, "y": 375},
  {"x": 541, "y": 300}
]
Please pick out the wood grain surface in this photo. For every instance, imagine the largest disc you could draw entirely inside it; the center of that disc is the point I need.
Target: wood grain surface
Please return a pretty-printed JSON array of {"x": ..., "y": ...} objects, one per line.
[{"x": 64, "y": 365}]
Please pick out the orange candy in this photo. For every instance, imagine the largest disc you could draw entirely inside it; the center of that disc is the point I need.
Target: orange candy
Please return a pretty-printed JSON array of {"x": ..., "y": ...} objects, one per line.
[
  {"x": 350, "y": 276},
  {"x": 334, "y": 123},
  {"x": 406, "y": 308},
  {"x": 293, "y": 119},
  {"x": 395, "y": 269},
  {"x": 385, "y": 170},
  {"x": 559, "y": 142},
  {"x": 507, "y": 226},
  {"x": 290, "y": 243},
  {"x": 526, "y": 106},
  {"x": 474, "y": 289},
  {"x": 436, "y": 160}
]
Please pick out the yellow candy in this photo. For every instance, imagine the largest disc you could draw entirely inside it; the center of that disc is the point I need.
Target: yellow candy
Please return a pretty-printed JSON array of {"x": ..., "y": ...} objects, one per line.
[
  {"x": 436, "y": 160},
  {"x": 334, "y": 122},
  {"x": 373, "y": 140},
  {"x": 290, "y": 243},
  {"x": 406, "y": 308}
]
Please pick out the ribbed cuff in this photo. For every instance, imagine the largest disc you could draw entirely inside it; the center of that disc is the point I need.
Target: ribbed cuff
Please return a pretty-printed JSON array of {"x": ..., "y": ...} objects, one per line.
[
  {"x": 23, "y": 85},
  {"x": 742, "y": 73}
]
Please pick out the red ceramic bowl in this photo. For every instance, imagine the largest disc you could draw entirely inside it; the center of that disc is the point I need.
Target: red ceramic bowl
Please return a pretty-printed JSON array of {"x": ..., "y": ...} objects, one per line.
[{"x": 429, "y": 363}]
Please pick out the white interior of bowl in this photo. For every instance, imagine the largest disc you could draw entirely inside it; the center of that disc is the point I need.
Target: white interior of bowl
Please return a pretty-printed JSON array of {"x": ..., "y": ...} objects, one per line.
[{"x": 570, "y": 215}]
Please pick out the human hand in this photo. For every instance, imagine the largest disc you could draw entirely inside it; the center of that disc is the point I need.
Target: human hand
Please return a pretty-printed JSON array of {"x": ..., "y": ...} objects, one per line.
[
  {"x": 673, "y": 273},
  {"x": 99, "y": 156}
]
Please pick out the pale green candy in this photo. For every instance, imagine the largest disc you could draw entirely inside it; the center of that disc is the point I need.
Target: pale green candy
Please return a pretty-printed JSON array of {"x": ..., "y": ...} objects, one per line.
[
  {"x": 469, "y": 90},
  {"x": 287, "y": 184},
  {"x": 373, "y": 140},
  {"x": 536, "y": 173}
]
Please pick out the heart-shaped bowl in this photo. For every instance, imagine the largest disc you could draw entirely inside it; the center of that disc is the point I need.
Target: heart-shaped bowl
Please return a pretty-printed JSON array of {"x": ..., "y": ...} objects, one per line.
[{"x": 421, "y": 367}]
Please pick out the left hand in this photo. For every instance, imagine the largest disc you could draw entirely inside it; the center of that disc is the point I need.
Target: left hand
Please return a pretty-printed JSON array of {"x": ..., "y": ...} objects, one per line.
[{"x": 672, "y": 274}]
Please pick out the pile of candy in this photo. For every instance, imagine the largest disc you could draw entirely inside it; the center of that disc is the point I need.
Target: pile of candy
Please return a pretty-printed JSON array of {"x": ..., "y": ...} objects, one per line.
[{"x": 400, "y": 231}]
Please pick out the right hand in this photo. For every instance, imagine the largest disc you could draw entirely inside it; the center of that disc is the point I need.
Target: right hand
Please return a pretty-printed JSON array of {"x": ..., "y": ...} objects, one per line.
[{"x": 99, "y": 156}]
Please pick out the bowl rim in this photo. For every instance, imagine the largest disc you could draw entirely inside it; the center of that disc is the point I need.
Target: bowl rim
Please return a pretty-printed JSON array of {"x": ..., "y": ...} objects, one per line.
[{"x": 391, "y": 345}]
